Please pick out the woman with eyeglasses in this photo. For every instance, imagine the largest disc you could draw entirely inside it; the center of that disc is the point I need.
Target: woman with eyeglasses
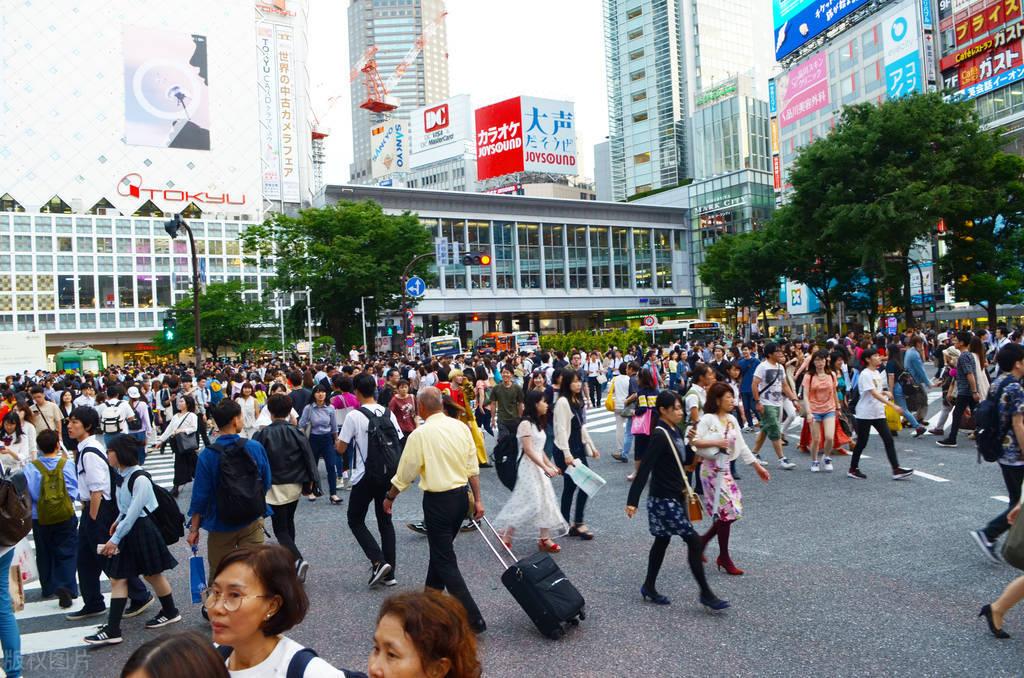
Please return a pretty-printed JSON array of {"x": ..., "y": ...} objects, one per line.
[{"x": 254, "y": 599}]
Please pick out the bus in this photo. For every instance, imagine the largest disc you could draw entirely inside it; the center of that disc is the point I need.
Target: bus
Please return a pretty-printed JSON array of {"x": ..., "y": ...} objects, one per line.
[
  {"x": 438, "y": 347},
  {"x": 682, "y": 331},
  {"x": 496, "y": 342},
  {"x": 527, "y": 341}
]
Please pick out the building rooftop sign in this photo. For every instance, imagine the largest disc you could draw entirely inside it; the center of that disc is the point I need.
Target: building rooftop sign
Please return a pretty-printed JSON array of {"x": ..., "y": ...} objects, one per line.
[{"x": 716, "y": 93}]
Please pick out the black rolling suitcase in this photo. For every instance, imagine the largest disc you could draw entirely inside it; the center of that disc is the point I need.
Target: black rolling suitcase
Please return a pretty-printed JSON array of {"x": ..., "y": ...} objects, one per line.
[{"x": 540, "y": 587}]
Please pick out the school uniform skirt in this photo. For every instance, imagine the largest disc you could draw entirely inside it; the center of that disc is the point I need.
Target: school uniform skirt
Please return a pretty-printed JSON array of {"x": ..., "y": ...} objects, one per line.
[{"x": 142, "y": 552}]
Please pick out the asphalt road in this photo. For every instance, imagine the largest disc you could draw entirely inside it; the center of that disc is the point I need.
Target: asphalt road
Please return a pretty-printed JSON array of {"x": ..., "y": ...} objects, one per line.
[{"x": 843, "y": 578}]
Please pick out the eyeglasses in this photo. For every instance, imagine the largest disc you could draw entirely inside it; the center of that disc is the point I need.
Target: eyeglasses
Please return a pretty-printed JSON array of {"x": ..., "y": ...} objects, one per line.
[{"x": 232, "y": 599}]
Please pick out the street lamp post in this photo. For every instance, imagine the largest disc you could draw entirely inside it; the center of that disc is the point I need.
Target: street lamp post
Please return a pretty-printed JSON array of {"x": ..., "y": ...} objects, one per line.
[
  {"x": 362, "y": 312},
  {"x": 172, "y": 226},
  {"x": 309, "y": 324}
]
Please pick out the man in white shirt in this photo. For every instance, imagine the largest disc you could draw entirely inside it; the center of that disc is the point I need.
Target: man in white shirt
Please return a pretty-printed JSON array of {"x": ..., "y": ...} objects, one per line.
[
  {"x": 114, "y": 414},
  {"x": 367, "y": 490},
  {"x": 98, "y": 514},
  {"x": 88, "y": 396},
  {"x": 353, "y": 354}
]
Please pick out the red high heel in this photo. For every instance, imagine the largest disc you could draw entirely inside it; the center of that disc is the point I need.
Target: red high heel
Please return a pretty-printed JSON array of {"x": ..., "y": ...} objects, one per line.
[
  {"x": 725, "y": 563},
  {"x": 548, "y": 546}
]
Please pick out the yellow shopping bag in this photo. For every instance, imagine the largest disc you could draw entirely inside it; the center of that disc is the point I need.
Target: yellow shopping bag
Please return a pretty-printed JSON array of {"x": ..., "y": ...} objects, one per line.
[
  {"x": 609, "y": 402},
  {"x": 893, "y": 419}
]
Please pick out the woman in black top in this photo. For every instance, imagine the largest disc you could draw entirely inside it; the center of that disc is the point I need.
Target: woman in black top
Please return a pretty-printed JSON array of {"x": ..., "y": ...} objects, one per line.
[
  {"x": 666, "y": 511},
  {"x": 65, "y": 405}
]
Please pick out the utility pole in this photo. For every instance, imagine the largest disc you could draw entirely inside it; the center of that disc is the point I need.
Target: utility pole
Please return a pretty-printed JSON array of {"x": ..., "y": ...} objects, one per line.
[
  {"x": 172, "y": 226},
  {"x": 309, "y": 324},
  {"x": 362, "y": 311}
]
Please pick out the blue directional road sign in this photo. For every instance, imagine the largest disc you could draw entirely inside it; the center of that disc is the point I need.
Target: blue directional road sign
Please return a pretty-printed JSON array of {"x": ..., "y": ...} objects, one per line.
[{"x": 415, "y": 287}]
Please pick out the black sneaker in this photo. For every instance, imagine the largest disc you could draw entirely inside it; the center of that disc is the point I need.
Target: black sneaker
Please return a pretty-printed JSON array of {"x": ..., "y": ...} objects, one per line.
[
  {"x": 856, "y": 473},
  {"x": 390, "y": 581},
  {"x": 378, "y": 572},
  {"x": 987, "y": 547},
  {"x": 467, "y": 526},
  {"x": 479, "y": 626},
  {"x": 417, "y": 527},
  {"x": 65, "y": 597},
  {"x": 104, "y": 636},
  {"x": 301, "y": 569},
  {"x": 163, "y": 619},
  {"x": 900, "y": 473},
  {"x": 945, "y": 443},
  {"x": 85, "y": 613},
  {"x": 135, "y": 608}
]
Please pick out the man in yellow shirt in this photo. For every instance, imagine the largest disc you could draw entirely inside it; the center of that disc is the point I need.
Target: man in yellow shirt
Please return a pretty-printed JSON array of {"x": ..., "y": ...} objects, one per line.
[{"x": 442, "y": 454}]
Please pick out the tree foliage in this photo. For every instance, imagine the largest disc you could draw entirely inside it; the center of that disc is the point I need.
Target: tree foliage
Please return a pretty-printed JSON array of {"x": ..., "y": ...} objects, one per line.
[
  {"x": 745, "y": 269},
  {"x": 226, "y": 319},
  {"x": 342, "y": 252},
  {"x": 590, "y": 341}
]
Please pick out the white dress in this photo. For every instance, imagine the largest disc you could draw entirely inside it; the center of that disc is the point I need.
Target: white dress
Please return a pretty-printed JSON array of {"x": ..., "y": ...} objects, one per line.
[
  {"x": 532, "y": 505},
  {"x": 249, "y": 416}
]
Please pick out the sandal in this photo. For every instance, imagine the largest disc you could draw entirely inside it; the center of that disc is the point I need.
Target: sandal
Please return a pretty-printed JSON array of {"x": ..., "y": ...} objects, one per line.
[
  {"x": 585, "y": 534},
  {"x": 548, "y": 546}
]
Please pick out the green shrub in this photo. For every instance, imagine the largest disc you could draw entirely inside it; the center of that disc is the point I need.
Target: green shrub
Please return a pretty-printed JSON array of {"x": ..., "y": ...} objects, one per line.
[{"x": 591, "y": 341}]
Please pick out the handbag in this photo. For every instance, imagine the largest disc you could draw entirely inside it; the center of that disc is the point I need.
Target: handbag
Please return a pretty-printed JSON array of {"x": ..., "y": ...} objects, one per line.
[
  {"x": 609, "y": 402},
  {"x": 893, "y": 419},
  {"x": 185, "y": 443},
  {"x": 196, "y": 576},
  {"x": 602, "y": 378},
  {"x": 694, "y": 508},
  {"x": 1013, "y": 549},
  {"x": 641, "y": 424}
]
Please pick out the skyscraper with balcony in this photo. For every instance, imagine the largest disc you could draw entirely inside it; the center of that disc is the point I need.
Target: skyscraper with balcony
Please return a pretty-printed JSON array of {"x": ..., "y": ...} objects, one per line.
[
  {"x": 393, "y": 26},
  {"x": 659, "y": 55}
]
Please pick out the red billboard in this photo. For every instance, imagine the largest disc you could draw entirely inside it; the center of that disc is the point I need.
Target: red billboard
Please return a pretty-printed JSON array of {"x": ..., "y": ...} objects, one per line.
[{"x": 499, "y": 139}]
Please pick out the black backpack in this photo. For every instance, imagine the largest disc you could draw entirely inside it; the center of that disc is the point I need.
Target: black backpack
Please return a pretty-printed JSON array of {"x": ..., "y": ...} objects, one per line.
[
  {"x": 506, "y": 460},
  {"x": 988, "y": 433},
  {"x": 380, "y": 458},
  {"x": 241, "y": 498},
  {"x": 167, "y": 517}
]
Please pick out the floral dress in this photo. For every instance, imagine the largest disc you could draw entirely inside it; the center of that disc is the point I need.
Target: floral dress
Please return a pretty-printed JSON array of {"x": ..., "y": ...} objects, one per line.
[{"x": 715, "y": 477}]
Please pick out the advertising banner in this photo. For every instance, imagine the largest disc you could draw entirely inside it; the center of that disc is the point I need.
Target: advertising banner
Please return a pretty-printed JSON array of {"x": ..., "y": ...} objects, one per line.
[
  {"x": 798, "y": 21},
  {"x": 549, "y": 136},
  {"x": 499, "y": 139},
  {"x": 803, "y": 89},
  {"x": 945, "y": 10},
  {"x": 799, "y": 299},
  {"x": 287, "y": 114},
  {"x": 773, "y": 108},
  {"x": 926, "y": 15},
  {"x": 775, "y": 136},
  {"x": 777, "y": 172},
  {"x": 440, "y": 131},
  {"x": 166, "y": 89},
  {"x": 388, "y": 147},
  {"x": 985, "y": 21},
  {"x": 902, "y": 53},
  {"x": 266, "y": 82}
]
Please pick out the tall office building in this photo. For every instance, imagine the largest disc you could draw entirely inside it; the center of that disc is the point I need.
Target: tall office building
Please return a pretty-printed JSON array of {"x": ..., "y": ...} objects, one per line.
[
  {"x": 659, "y": 55},
  {"x": 393, "y": 26}
]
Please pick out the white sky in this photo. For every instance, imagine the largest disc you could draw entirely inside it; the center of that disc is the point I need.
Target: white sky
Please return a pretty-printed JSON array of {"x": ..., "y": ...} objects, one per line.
[{"x": 496, "y": 50}]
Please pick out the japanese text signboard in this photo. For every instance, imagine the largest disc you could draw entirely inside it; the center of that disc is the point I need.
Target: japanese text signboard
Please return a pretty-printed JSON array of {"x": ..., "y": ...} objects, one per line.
[
  {"x": 803, "y": 90},
  {"x": 525, "y": 134}
]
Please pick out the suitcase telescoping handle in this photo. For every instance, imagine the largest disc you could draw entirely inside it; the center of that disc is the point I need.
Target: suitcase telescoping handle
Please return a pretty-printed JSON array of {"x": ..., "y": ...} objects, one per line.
[{"x": 497, "y": 537}]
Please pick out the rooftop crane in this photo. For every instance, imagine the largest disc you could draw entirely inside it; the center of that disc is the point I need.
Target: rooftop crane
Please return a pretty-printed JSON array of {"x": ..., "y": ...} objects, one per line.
[{"x": 379, "y": 98}]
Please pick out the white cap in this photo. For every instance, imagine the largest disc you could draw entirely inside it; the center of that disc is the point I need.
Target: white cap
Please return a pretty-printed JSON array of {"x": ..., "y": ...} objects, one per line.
[{"x": 133, "y": 392}]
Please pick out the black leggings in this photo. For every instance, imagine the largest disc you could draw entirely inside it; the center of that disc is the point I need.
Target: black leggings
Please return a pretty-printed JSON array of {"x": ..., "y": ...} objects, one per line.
[
  {"x": 569, "y": 489},
  {"x": 283, "y": 520},
  {"x": 694, "y": 556},
  {"x": 864, "y": 427}
]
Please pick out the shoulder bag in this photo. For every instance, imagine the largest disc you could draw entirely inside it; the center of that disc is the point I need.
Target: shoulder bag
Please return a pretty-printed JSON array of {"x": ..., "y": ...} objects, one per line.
[
  {"x": 694, "y": 508},
  {"x": 185, "y": 443}
]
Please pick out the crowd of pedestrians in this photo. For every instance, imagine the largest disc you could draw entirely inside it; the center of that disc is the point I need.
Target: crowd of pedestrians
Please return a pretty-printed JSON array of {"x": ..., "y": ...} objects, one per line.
[{"x": 248, "y": 441}]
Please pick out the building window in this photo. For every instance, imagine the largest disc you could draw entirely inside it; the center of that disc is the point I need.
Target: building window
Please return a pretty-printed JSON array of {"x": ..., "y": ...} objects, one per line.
[
  {"x": 105, "y": 290},
  {"x": 576, "y": 238},
  {"x": 454, "y": 230},
  {"x": 636, "y": 54},
  {"x": 642, "y": 158},
  {"x": 637, "y": 75},
  {"x": 529, "y": 255},
  {"x": 635, "y": 33},
  {"x": 663, "y": 259},
  {"x": 634, "y": 12},
  {"x": 554, "y": 256},
  {"x": 125, "y": 291},
  {"x": 621, "y": 247},
  {"x": 66, "y": 291},
  {"x": 599, "y": 256},
  {"x": 642, "y": 253},
  {"x": 480, "y": 241},
  {"x": 55, "y": 206},
  {"x": 86, "y": 291},
  {"x": 639, "y": 96},
  {"x": 640, "y": 117},
  {"x": 9, "y": 204},
  {"x": 504, "y": 255}
]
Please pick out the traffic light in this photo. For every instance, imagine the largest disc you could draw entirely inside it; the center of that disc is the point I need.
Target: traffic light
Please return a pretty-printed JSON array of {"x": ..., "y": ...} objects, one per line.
[
  {"x": 476, "y": 259},
  {"x": 391, "y": 330},
  {"x": 170, "y": 327}
]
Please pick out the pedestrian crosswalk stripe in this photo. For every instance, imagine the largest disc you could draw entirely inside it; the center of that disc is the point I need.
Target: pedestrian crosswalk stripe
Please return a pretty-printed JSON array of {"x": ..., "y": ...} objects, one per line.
[
  {"x": 59, "y": 639},
  {"x": 46, "y": 608}
]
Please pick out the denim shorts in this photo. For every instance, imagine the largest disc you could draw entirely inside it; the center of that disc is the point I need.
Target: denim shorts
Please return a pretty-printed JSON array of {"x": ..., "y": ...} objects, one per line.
[{"x": 823, "y": 417}]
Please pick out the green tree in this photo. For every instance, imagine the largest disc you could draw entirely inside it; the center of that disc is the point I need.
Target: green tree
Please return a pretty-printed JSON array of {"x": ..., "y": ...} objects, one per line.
[
  {"x": 226, "y": 319},
  {"x": 878, "y": 183},
  {"x": 746, "y": 269},
  {"x": 342, "y": 252}
]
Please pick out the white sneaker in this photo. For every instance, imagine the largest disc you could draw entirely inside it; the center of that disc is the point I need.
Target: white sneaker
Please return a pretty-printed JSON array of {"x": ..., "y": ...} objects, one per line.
[
  {"x": 815, "y": 467},
  {"x": 786, "y": 464},
  {"x": 828, "y": 465}
]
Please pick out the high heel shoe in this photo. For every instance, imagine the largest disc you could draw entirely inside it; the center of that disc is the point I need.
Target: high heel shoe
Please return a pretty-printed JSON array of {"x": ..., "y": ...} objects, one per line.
[
  {"x": 725, "y": 563},
  {"x": 654, "y": 596},
  {"x": 548, "y": 546},
  {"x": 986, "y": 612},
  {"x": 713, "y": 602}
]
